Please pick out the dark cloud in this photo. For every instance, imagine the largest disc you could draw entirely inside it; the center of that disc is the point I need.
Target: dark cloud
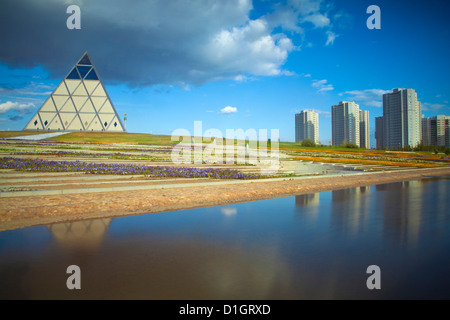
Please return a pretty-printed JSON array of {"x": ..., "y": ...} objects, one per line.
[
  {"x": 16, "y": 117},
  {"x": 145, "y": 43}
]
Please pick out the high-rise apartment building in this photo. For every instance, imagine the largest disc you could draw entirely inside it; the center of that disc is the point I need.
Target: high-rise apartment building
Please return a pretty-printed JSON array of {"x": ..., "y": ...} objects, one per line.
[
  {"x": 364, "y": 134},
  {"x": 307, "y": 126},
  {"x": 379, "y": 136},
  {"x": 345, "y": 123},
  {"x": 401, "y": 119},
  {"x": 436, "y": 131}
]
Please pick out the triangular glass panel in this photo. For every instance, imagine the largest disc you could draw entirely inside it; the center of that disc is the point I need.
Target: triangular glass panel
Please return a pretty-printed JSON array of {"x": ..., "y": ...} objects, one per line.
[
  {"x": 35, "y": 123},
  {"x": 48, "y": 106},
  {"x": 92, "y": 75},
  {"x": 99, "y": 92},
  {"x": 47, "y": 117},
  {"x": 68, "y": 107},
  {"x": 98, "y": 102},
  {"x": 73, "y": 74},
  {"x": 90, "y": 85},
  {"x": 88, "y": 107},
  {"x": 86, "y": 119},
  {"x": 85, "y": 60},
  {"x": 72, "y": 85},
  {"x": 83, "y": 70},
  {"x": 106, "y": 118},
  {"x": 96, "y": 124},
  {"x": 75, "y": 124},
  {"x": 107, "y": 108},
  {"x": 67, "y": 119},
  {"x": 61, "y": 90},
  {"x": 81, "y": 91},
  {"x": 59, "y": 100},
  {"x": 55, "y": 124},
  {"x": 79, "y": 102},
  {"x": 115, "y": 125}
]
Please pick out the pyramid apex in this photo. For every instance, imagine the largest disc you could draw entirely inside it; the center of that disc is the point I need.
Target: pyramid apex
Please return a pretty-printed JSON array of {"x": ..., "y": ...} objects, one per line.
[{"x": 85, "y": 59}]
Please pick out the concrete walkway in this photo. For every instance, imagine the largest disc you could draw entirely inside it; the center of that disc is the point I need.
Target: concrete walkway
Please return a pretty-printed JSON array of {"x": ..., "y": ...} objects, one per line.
[{"x": 36, "y": 137}]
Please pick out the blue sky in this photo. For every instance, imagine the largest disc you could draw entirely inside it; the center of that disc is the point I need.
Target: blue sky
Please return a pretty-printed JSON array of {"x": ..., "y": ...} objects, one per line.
[{"x": 230, "y": 64}]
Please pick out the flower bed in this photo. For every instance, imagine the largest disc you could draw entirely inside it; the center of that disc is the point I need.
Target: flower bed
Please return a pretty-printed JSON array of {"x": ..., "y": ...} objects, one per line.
[
  {"x": 120, "y": 169},
  {"x": 369, "y": 162}
]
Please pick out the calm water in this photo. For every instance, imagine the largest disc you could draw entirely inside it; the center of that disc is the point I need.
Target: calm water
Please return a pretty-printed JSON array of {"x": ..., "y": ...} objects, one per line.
[{"x": 314, "y": 246}]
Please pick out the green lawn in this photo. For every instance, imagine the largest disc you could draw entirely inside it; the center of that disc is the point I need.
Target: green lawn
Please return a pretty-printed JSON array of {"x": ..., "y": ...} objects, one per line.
[
  {"x": 115, "y": 137},
  {"x": 9, "y": 134},
  {"x": 137, "y": 138}
]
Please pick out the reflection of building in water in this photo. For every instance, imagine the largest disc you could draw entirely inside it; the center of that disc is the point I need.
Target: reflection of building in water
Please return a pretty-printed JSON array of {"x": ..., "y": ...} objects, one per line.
[
  {"x": 86, "y": 234},
  {"x": 307, "y": 205},
  {"x": 403, "y": 209},
  {"x": 350, "y": 209},
  {"x": 307, "y": 199}
]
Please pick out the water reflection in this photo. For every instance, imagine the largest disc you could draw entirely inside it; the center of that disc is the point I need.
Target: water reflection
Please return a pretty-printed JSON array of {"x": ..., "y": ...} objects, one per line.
[
  {"x": 80, "y": 235},
  {"x": 228, "y": 211},
  {"x": 402, "y": 212},
  {"x": 314, "y": 246},
  {"x": 350, "y": 210}
]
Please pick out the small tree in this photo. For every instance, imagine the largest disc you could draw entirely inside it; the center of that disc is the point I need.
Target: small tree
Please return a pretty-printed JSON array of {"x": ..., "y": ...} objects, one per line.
[
  {"x": 351, "y": 145},
  {"x": 308, "y": 143}
]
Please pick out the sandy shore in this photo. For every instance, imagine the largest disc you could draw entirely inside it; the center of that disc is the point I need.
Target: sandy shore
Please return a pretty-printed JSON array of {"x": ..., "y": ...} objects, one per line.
[{"x": 24, "y": 211}]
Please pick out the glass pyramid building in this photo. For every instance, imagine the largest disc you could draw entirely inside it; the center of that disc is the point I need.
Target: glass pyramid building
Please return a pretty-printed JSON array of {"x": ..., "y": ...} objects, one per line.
[{"x": 79, "y": 103}]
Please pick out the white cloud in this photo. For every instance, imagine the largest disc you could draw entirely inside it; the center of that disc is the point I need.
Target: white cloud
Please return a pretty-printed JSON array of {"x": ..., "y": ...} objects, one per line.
[
  {"x": 318, "y": 20},
  {"x": 248, "y": 49},
  {"x": 306, "y": 6},
  {"x": 331, "y": 36},
  {"x": 322, "y": 85},
  {"x": 22, "y": 108},
  {"x": 322, "y": 112},
  {"x": 228, "y": 110},
  {"x": 228, "y": 211},
  {"x": 31, "y": 89},
  {"x": 16, "y": 110},
  {"x": 368, "y": 97}
]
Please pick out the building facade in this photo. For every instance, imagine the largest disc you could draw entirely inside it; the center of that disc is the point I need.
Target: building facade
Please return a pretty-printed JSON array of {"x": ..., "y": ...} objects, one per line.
[
  {"x": 345, "y": 123},
  {"x": 379, "y": 136},
  {"x": 79, "y": 103},
  {"x": 436, "y": 131},
  {"x": 401, "y": 119},
  {"x": 364, "y": 133},
  {"x": 307, "y": 126}
]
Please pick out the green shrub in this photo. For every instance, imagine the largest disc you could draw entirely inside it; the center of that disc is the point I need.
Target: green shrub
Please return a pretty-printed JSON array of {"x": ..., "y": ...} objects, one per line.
[
  {"x": 308, "y": 143},
  {"x": 351, "y": 145}
]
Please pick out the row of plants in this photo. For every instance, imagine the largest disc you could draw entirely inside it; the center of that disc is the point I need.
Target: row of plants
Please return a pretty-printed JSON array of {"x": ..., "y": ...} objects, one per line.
[
  {"x": 40, "y": 165},
  {"x": 383, "y": 157},
  {"x": 117, "y": 155},
  {"x": 368, "y": 162},
  {"x": 71, "y": 146}
]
